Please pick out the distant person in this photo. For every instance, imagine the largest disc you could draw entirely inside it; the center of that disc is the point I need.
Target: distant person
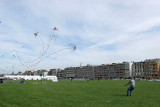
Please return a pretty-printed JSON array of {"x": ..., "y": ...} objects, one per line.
[
  {"x": 1, "y": 80},
  {"x": 22, "y": 81},
  {"x": 71, "y": 79},
  {"x": 132, "y": 86}
]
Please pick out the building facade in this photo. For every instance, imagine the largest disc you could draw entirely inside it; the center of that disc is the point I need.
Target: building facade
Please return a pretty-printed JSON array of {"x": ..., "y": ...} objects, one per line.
[
  {"x": 53, "y": 72},
  {"x": 69, "y": 72},
  {"x": 60, "y": 74},
  {"x": 85, "y": 72},
  {"x": 152, "y": 68},
  {"x": 41, "y": 72},
  {"x": 138, "y": 70},
  {"x": 112, "y": 71},
  {"x": 102, "y": 72}
]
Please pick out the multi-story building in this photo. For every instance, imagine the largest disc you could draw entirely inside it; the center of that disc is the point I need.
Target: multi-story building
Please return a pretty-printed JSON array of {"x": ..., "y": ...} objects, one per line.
[
  {"x": 86, "y": 72},
  {"x": 60, "y": 74},
  {"x": 41, "y": 72},
  {"x": 102, "y": 72},
  {"x": 69, "y": 72},
  {"x": 122, "y": 70},
  {"x": 53, "y": 72},
  {"x": 152, "y": 68},
  {"x": 138, "y": 69},
  {"x": 27, "y": 73},
  {"x": 111, "y": 71}
]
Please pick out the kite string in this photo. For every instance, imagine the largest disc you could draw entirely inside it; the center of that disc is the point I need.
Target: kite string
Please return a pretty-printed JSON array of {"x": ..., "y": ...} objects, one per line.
[
  {"x": 37, "y": 60},
  {"x": 43, "y": 52},
  {"x": 48, "y": 56}
]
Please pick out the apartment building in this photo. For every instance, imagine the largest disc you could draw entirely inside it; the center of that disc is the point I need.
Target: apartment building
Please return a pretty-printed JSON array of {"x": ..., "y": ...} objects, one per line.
[
  {"x": 122, "y": 70},
  {"x": 86, "y": 72},
  {"x": 145, "y": 69},
  {"x": 69, "y": 72},
  {"x": 112, "y": 71},
  {"x": 41, "y": 72},
  {"x": 102, "y": 72},
  {"x": 138, "y": 70},
  {"x": 152, "y": 68},
  {"x": 53, "y": 72},
  {"x": 60, "y": 74}
]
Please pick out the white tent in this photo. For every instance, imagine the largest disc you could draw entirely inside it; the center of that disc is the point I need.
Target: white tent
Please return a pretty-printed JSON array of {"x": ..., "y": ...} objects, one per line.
[{"x": 19, "y": 77}]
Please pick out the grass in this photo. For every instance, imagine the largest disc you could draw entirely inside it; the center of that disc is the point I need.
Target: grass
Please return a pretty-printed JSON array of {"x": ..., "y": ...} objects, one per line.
[{"x": 103, "y": 93}]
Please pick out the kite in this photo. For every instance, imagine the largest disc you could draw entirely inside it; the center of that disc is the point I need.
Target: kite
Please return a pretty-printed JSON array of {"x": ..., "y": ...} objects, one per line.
[
  {"x": 74, "y": 47},
  {"x": 55, "y": 28},
  {"x": 36, "y": 34}
]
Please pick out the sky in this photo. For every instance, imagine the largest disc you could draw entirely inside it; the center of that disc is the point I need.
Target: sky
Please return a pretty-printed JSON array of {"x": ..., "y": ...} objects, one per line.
[{"x": 103, "y": 31}]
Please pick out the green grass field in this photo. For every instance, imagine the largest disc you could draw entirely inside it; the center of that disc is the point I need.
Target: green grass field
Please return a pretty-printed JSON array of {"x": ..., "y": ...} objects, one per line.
[{"x": 103, "y": 93}]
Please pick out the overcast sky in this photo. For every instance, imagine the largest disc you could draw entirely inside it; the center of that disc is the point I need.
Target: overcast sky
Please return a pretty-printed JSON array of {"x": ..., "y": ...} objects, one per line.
[{"x": 103, "y": 31}]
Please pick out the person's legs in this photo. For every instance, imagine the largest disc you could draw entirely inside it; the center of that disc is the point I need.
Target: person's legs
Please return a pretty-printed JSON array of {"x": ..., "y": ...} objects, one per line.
[
  {"x": 131, "y": 90},
  {"x": 128, "y": 90}
]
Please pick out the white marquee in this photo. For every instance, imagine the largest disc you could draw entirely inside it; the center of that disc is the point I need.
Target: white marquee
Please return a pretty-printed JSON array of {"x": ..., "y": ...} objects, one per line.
[{"x": 26, "y": 77}]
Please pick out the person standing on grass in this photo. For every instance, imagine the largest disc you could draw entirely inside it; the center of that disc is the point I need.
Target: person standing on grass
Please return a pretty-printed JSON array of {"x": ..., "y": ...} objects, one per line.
[{"x": 132, "y": 86}]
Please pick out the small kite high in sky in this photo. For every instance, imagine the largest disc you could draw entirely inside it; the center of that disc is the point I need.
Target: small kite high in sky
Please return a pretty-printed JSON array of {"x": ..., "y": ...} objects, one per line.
[
  {"x": 55, "y": 28},
  {"x": 36, "y": 34},
  {"x": 74, "y": 47}
]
